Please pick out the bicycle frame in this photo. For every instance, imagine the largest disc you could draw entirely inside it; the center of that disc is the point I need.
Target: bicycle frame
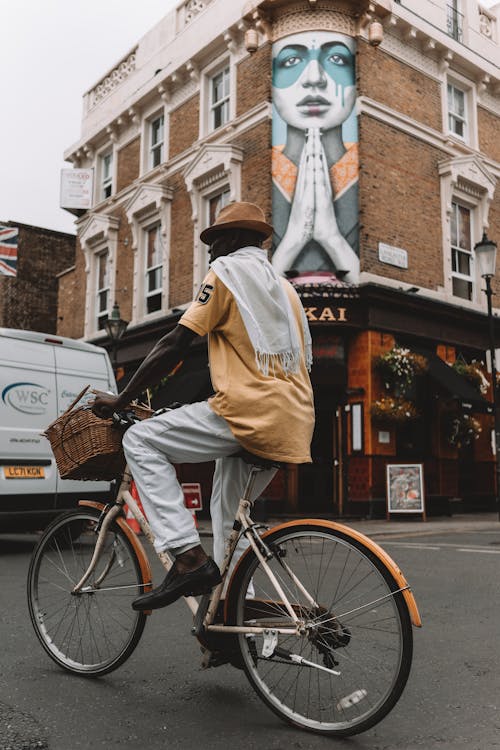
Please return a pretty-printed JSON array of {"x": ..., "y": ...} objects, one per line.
[{"x": 243, "y": 526}]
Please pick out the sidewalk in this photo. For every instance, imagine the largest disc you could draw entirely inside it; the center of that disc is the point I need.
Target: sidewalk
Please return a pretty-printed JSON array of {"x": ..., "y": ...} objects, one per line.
[{"x": 401, "y": 527}]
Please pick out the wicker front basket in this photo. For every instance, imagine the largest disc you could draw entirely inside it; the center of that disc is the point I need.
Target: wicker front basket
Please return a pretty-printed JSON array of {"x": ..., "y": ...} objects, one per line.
[{"x": 86, "y": 446}]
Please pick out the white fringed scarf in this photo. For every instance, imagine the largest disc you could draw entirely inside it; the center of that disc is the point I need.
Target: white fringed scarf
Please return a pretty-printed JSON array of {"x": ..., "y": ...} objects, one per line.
[{"x": 265, "y": 309}]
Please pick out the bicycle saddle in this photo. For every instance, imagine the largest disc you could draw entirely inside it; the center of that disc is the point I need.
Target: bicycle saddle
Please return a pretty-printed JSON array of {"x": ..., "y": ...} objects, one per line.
[{"x": 263, "y": 463}]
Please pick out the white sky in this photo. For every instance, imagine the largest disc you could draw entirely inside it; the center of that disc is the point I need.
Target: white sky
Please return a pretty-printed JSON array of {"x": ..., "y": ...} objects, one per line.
[{"x": 51, "y": 52}]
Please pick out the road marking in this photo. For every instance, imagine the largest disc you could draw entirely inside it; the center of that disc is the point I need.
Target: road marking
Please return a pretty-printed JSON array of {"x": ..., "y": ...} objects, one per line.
[
  {"x": 456, "y": 547},
  {"x": 484, "y": 551},
  {"x": 410, "y": 545}
]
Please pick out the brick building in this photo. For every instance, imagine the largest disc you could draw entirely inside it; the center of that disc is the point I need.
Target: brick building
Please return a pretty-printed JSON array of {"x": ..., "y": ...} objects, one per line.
[
  {"x": 29, "y": 300},
  {"x": 368, "y": 132}
]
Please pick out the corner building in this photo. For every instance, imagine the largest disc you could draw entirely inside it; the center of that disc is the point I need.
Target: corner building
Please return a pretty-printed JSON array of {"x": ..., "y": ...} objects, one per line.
[{"x": 368, "y": 133}]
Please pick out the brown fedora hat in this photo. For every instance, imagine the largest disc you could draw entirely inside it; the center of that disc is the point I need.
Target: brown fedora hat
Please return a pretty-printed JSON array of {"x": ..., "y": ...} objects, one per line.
[{"x": 237, "y": 216}]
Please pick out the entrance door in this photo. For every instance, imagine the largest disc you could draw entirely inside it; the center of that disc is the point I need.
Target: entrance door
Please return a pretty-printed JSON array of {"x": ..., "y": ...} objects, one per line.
[{"x": 319, "y": 482}]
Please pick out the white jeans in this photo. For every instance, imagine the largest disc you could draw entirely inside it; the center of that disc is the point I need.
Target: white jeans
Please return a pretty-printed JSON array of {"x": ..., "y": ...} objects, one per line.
[{"x": 190, "y": 434}]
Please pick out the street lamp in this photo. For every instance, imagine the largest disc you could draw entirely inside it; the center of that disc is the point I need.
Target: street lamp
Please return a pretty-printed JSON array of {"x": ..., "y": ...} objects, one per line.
[
  {"x": 486, "y": 254},
  {"x": 115, "y": 328}
]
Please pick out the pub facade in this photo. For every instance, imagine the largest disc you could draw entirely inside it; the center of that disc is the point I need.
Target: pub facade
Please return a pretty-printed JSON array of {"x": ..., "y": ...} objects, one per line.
[{"x": 368, "y": 133}]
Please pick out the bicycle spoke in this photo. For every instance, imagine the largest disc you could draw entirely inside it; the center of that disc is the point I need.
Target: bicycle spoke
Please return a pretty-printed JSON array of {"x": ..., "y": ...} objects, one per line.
[
  {"x": 354, "y": 630},
  {"x": 92, "y": 631}
]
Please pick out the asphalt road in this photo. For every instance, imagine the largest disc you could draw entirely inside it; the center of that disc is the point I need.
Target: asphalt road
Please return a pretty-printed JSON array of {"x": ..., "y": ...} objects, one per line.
[{"x": 161, "y": 699}]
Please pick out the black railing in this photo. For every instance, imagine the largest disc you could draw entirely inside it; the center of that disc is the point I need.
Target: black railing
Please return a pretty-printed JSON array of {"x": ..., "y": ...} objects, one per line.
[{"x": 454, "y": 22}]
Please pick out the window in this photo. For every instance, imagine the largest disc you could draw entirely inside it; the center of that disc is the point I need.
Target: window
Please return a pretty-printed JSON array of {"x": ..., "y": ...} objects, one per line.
[
  {"x": 462, "y": 261},
  {"x": 156, "y": 138},
  {"x": 154, "y": 270},
  {"x": 215, "y": 203},
  {"x": 148, "y": 213},
  {"x": 454, "y": 21},
  {"x": 457, "y": 111},
  {"x": 106, "y": 175},
  {"x": 213, "y": 179},
  {"x": 219, "y": 99},
  {"x": 102, "y": 289}
]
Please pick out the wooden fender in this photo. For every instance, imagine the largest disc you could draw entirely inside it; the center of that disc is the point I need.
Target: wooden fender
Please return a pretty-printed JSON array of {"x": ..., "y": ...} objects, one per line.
[
  {"x": 147, "y": 577},
  {"x": 365, "y": 541}
]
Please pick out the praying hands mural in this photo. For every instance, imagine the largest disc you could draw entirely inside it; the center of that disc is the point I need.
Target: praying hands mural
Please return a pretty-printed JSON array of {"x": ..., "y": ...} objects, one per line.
[{"x": 315, "y": 154}]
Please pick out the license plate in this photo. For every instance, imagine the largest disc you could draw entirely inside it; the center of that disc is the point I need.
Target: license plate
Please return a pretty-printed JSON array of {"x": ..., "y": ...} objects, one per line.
[{"x": 24, "y": 472}]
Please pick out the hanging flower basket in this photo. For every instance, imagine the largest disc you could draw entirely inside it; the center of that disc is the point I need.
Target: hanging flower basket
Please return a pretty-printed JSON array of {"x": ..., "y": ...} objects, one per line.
[
  {"x": 399, "y": 367},
  {"x": 474, "y": 373},
  {"x": 462, "y": 430},
  {"x": 392, "y": 409}
]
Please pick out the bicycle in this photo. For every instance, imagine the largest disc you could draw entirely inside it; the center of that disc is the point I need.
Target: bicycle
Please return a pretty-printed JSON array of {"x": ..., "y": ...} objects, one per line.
[{"x": 317, "y": 615}]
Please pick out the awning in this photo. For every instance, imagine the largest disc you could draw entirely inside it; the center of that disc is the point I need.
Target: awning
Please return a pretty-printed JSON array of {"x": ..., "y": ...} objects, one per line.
[{"x": 456, "y": 385}]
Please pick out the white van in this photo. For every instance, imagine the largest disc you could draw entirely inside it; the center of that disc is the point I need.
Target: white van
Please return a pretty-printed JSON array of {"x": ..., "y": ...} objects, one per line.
[{"x": 40, "y": 375}]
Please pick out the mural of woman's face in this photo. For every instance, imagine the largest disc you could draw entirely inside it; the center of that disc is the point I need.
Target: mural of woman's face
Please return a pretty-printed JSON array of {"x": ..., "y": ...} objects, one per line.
[{"x": 314, "y": 83}]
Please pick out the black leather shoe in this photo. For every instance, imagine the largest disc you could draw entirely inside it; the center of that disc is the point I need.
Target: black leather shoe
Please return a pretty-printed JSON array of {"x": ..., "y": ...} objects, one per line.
[{"x": 196, "y": 582}]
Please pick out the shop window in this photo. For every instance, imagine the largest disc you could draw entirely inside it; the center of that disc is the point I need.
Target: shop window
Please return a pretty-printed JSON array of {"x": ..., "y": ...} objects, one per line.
[
  {"x": 220, "y": 90},
  {"x": 154, "y": 270},
  {"x": 102, "y": 293},
  {"x": 106, "y": 168},
  {"x": 156, "y": 141},
  {"x": 462, "y": 261}
]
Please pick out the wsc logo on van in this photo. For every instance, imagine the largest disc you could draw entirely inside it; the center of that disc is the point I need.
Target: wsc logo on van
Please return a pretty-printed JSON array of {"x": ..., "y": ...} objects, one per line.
[{"x": 29, "y": 398}]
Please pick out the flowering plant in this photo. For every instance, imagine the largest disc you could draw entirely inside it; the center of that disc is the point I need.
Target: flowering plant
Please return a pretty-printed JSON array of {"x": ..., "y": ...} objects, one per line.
[
  {"x": 473, "y": 372},
  {"x": 400, "y": 365},
  {"x": 462, "y": 430},
  {"x": 389, "y": 408}
]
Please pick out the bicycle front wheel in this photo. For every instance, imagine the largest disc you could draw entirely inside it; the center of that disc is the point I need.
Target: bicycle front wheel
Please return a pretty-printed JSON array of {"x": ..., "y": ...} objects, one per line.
[
  {"x": 95, "y": 631},
  {"x": 348, "y": 666}
]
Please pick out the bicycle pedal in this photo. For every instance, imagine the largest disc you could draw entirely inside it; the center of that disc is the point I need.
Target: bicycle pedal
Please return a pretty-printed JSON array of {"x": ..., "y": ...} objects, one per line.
[{"x": 214, "y": 659}]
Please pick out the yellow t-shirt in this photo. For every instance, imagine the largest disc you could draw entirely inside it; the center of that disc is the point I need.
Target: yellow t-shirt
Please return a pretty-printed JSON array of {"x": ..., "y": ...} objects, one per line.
[{"x": 271, "y": 416}]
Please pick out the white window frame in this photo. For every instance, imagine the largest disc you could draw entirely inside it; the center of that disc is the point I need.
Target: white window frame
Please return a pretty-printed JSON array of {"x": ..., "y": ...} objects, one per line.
[
  {"x": 206, "y": 104},
  {"x": 225, "y": 190},
  {"x": 455, "y": 119},
  {"x": 98, "y": 234},
  {"x": 221, "y": 187},
  {"x": 456, "y": 13},
  {"x": 456, "y": 249},
  {"x": 108, "y": 182},
  {"x": 149, "y": 206},
  {"x": 222, "y": 104},
  {"x": 148, "y": 269},
  {"x": 216, "y": 166},
  {"x": 468, "y": 88},
  {"x": 157, "y": 145},
  {"x": 98, "y": 291},
  {"x": 147, "y": 135},
  {"x": 467, "y": 181}
]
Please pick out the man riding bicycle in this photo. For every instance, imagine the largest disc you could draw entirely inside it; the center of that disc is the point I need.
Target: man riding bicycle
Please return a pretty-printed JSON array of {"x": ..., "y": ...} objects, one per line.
[{"x": 259, "y": 356}]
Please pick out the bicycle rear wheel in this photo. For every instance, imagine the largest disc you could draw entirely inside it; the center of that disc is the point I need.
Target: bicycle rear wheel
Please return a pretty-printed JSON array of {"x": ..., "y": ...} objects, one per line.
[
  {"x": 349, "y": 666},
  {"x": 95, "y": 631}
]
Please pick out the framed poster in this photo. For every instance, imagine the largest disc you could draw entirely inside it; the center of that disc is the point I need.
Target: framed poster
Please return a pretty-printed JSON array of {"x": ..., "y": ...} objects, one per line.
[{"x": 405, "y": 488}]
